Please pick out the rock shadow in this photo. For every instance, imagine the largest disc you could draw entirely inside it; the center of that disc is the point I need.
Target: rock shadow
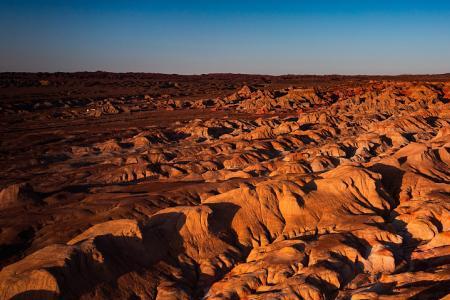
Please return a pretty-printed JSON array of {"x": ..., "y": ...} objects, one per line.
[
  {"x": 36, "y": 295},
  {"x": 221, "y": 219},
  {"x": 391, "y": 180}
]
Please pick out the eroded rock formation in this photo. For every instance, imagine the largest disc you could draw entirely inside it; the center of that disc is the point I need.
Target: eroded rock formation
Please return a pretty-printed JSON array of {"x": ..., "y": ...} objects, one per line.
[{"x": 292, "y": 193}]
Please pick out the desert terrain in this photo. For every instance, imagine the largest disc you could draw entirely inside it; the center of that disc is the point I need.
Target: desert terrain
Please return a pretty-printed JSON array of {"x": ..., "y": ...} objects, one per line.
[{"x": 224, "y": 186}]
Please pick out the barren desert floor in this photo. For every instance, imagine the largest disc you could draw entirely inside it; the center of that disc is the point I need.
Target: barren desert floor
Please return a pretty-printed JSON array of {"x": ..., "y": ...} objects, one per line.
[{"x": 223, "y": 186}]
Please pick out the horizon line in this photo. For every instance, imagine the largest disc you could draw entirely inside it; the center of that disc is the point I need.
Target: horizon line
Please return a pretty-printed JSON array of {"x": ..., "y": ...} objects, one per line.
[{"x": 227, "y": 73}]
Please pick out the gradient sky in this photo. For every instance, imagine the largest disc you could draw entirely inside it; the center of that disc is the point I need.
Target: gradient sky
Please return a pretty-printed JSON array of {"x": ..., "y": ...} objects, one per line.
[{"x": 193, "y": 37}]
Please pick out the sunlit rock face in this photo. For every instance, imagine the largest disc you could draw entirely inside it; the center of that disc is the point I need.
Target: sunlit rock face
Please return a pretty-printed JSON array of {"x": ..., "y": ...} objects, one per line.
[{"x": 324, "y": 192}]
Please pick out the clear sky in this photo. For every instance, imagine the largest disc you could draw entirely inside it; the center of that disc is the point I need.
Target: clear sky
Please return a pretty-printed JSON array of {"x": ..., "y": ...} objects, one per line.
[{"x": 215, "y": 36}]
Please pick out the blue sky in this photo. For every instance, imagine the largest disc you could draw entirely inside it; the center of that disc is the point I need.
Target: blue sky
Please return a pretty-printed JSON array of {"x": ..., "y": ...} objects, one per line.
[{"x": 193, "y": 37}]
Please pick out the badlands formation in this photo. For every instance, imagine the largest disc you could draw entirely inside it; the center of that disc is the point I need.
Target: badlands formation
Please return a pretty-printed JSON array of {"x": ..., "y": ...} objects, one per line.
[{"x": 149, "y": 186}]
